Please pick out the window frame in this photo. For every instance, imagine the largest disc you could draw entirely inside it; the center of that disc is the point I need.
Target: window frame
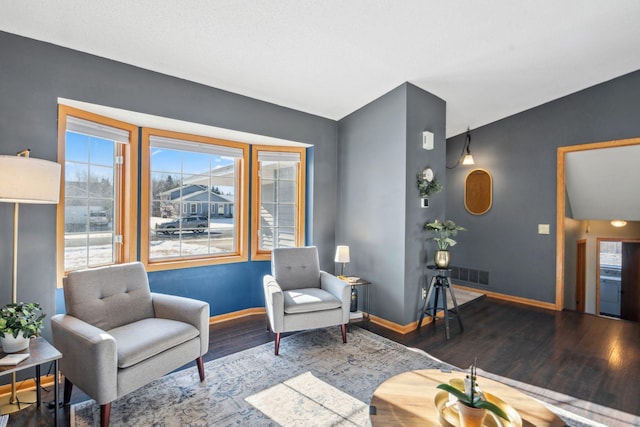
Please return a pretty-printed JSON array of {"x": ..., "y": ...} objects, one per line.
[
  {"x": 126, "y": 181},
  {"x": 242, "y": 199},
  {"x": 258, "y": 254}
]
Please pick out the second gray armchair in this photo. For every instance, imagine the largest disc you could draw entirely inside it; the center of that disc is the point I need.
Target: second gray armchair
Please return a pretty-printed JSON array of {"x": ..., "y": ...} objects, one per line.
[{"x": 298, "y": 295}]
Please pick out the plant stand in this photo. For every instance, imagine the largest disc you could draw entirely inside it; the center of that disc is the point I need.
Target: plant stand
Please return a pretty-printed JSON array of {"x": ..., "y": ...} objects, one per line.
[{"x": 442, "y": 284}]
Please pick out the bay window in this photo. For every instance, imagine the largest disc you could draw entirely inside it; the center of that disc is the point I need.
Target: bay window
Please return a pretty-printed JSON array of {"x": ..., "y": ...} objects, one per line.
[
  {"x": 193, "y": 200},
  {"x": 96, "y": 216},
  {"x": 278, "y": 199}
]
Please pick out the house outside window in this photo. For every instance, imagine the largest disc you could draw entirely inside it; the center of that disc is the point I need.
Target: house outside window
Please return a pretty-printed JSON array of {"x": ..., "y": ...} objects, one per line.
[
  {"x": 184, "y": 177},
  {"x": 278, "y": 199},
  {"x": 95, "y": 217}
]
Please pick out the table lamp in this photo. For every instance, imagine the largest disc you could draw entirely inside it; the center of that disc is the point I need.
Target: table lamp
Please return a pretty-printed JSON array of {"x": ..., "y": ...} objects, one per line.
[
  {"x": 342, "y": 256},
  {"x": 25, "y": 180}
]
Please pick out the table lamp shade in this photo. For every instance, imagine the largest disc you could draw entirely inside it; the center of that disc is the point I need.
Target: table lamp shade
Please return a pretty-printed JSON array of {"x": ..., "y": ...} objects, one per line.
[
  {"x": 342, "y": 254},
  {"x": 29, "y": 180}
]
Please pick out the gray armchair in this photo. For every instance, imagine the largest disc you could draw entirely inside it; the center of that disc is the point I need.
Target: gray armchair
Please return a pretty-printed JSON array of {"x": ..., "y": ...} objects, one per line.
[
  {"x": 118, "y": 336},
  {"x": 298, "y": 295}
]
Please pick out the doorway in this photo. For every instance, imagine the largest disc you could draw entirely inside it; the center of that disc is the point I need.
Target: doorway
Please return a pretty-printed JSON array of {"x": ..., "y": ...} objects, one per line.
[
  {"x": 561, "y": 211},
  {"x": 618, "y": 279},
  {"x": 609, "y": 275}
]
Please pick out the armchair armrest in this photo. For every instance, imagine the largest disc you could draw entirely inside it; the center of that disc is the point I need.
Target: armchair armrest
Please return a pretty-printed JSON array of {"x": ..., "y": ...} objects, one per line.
[
  {"x": 187, "y": 310},
  {"x": 338, "y": 288},
  {"x": 274, "y": 302},
  {"x": 90, "y": 356}
]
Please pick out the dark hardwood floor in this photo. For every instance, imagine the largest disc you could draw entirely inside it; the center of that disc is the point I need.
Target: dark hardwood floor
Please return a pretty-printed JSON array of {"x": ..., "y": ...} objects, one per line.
[{"x": 588, "y": 357}]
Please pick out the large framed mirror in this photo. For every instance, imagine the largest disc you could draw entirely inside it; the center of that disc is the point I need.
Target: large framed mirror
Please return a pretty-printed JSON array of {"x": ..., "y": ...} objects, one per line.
[{"x": 478, "y": 191}]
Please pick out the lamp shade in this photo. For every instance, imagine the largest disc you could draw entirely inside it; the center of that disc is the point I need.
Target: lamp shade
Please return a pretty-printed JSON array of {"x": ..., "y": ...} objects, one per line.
[
  {"x": 468, "y": 160},
  {"x": 342, "y": 254},
  {"x": 29, "y": 180}
]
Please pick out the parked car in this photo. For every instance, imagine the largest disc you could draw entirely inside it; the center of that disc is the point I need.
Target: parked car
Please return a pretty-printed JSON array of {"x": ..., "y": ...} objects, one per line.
[
  {"x": 99, "y": 217},
  {"x": 195, "y": 224}
]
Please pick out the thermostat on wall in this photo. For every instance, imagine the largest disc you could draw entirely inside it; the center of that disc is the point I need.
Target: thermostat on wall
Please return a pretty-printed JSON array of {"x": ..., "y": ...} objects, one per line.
[{"x": 427, "y": 140}]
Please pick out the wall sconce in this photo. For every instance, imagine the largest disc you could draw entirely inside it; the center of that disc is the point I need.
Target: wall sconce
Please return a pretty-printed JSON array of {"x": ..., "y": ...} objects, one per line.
[
  {"x": 618, "y": 223},
  {"x": 342, "y": 256},
  {"x": 465, "y": 156},
  {"x": 468, "y": 158}
]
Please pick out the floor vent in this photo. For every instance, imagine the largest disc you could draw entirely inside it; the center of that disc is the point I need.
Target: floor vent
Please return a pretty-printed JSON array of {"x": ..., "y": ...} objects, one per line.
[{"x": 470, "y": 275}]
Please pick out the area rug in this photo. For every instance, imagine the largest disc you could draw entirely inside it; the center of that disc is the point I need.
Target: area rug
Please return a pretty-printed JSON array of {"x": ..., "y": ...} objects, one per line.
[{"x": 316, "y": 381}]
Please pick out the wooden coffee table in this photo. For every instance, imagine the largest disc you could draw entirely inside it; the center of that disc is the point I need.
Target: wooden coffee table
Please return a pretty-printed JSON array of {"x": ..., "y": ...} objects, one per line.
[{"x": 408, "y": 399}]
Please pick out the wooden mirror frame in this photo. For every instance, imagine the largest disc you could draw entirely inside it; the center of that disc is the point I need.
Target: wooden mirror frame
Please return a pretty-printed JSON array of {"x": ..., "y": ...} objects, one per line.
[{"x": 478, "y": 191}]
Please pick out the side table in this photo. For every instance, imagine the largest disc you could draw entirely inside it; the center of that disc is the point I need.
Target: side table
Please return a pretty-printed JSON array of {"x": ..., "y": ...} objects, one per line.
[
  {"x": 364, "y": 311},
  {"x": 40, "y": 352}
]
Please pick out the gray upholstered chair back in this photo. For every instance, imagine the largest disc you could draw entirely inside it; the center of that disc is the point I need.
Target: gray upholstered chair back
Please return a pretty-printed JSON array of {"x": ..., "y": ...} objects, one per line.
[
  {"x": 108, "y": 297},
  {"x": 296, "y": 268}
]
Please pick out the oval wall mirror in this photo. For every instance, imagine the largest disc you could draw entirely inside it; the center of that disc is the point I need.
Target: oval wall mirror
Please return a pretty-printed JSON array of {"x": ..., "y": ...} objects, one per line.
[{"x": 478, "y": 191}]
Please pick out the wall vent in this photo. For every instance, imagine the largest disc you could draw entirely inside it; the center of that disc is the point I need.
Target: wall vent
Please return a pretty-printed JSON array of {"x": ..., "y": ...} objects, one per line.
[{"x": 470, "y": 275}]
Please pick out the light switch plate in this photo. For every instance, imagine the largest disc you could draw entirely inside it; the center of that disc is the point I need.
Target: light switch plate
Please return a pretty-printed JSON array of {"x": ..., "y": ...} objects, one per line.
[{"x": 543, "y": 228}]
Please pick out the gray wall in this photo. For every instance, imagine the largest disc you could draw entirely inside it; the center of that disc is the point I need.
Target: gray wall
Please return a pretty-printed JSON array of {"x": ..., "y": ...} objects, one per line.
[
  {"x": 34, "y": 74},
  {"x": 520, "y": 153},
  {"x": 371, "y": 218},
  {"x": 379, "y": 215},
  {"x": 425, "y": 112}
]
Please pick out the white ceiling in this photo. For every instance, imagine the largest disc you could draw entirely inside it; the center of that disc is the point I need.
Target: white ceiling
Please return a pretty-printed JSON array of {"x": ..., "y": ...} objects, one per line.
[{"x": 487, "y": 59}]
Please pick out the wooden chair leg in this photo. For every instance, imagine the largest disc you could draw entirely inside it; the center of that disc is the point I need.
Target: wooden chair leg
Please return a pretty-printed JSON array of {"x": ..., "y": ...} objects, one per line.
[
  {"x": 200, "y": 364},
  {"x": 105, "y": 413},
  {"x": 343, "y": 328},
  {"x": 68, "y": 388},
  {"x": 277, "y": 342}
]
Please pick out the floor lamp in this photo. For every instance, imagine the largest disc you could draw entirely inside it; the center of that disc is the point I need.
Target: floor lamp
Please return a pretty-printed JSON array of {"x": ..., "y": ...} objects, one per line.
[{"x": 25, "y": 180}]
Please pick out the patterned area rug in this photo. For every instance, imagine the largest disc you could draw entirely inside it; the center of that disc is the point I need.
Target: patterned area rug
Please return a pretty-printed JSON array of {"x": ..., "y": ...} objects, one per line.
[{"x": 316, "y": 381}]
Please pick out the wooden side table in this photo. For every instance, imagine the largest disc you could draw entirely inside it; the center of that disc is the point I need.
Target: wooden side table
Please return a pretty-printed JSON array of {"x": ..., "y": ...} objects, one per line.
[
  {"x": 408, "y": 399},
  {"x": 40, "y": 352}
]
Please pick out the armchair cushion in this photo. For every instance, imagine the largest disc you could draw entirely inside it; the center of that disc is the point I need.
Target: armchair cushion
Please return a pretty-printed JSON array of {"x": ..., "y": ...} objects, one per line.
[
  {"x": 309, "y": 299},
  {"x": 145, "y": 338}
]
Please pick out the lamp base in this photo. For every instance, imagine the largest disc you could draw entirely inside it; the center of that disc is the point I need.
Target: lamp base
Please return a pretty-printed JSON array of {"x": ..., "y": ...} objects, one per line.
[{"x": 24, "y": 399}]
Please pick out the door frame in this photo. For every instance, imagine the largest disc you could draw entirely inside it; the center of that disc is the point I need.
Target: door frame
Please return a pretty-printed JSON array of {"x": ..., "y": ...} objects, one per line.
[{"x": 561, "y": 204}]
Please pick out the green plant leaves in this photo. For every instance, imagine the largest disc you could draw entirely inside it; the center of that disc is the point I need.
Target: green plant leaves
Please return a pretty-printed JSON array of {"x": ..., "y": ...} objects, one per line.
[
  {"x": 459, "y": 394},
  {"x": 25, "y": 317},
  {"x": 443, "y": 231}
]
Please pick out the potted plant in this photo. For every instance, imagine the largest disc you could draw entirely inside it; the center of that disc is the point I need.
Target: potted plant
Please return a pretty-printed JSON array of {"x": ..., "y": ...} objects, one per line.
[
  {"x": 18, "y": 323},
  {"x": 472, "y": 404},
  {"x": 442, "y": 235}
]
